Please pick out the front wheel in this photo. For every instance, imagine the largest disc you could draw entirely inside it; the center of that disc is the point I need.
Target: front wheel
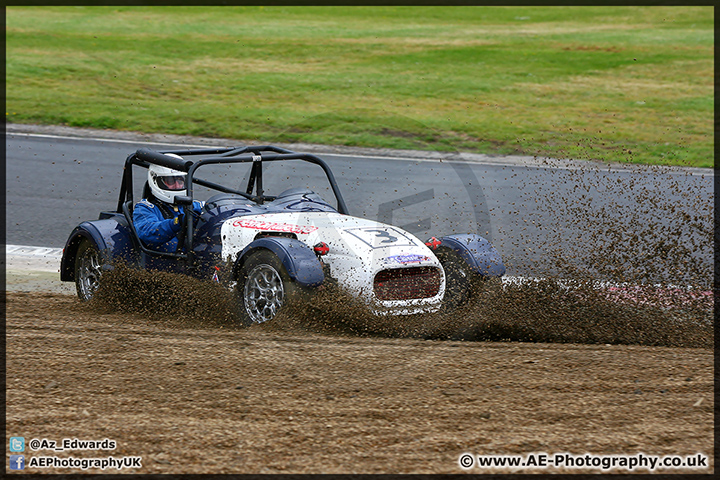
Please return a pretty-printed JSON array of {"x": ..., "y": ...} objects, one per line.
[
  {"x": 88, "y": 270},
  {"x": 263, "y": 287}
]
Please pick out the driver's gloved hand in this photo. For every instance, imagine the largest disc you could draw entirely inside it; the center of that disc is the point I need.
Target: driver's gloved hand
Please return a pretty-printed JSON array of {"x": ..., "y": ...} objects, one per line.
[{"x": 179, "y": 221}]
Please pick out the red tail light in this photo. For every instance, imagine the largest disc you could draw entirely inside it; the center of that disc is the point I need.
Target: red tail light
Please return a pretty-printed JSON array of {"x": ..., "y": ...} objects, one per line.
[{"x": 407, "y": 283}]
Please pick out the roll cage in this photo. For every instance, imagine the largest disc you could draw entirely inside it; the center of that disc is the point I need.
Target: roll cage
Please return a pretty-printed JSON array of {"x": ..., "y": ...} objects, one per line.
[{"x": 257, "y": 155}]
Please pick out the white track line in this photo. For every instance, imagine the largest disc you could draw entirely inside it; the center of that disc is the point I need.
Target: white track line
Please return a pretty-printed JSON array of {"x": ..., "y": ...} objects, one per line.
[
  {"x": 99, "y": 139},
  {"x": 25, "y": 260},
  {"x": 440, "y": 155},
  {"x": 28, "y": 251}
]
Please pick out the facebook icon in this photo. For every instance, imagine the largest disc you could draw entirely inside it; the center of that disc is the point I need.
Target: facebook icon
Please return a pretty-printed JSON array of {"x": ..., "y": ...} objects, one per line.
[{"x": 17, "y": 462}]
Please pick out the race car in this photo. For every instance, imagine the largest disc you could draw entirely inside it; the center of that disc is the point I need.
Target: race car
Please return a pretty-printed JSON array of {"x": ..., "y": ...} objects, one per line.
[{"x": 266, "y": 234}]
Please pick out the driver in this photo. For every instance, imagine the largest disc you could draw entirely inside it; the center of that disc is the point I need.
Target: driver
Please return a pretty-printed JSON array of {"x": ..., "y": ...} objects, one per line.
[{"x": 157, "y": 220}]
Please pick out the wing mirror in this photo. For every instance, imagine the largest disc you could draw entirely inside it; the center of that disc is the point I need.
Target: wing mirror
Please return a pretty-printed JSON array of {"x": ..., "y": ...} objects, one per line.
[{"x": 182, "y": 200}]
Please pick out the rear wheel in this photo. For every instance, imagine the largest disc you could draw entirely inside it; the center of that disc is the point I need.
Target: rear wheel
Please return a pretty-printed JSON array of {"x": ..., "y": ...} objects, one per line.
[
  {"x": 88, "y": 270},
  {"x": 458, "y": 280},
  {"x": 263, "y": 287}
]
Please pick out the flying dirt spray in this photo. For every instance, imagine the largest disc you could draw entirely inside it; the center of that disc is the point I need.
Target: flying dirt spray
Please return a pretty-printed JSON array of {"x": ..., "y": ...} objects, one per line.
[{"x": 622, "y": 255}]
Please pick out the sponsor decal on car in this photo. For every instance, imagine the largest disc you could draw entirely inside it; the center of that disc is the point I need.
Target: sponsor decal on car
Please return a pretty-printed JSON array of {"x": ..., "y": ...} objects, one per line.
[
  {"x": 408, "y": 258},
  {"x": 273, "y": 226}
]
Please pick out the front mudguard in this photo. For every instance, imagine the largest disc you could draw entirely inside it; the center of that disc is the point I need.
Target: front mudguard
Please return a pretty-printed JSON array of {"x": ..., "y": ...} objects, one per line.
[
  {"x": 477, "y": 252},
  {"x": 111, "y": 238},
  {"x": 300, "y": 261}
]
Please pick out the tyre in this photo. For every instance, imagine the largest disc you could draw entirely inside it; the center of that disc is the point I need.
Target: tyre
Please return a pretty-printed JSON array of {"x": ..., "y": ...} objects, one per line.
[
  {"x": 263, "y": 287},
  {"x": 88, "y": 270},
  {"x": 458, "y": 280}
]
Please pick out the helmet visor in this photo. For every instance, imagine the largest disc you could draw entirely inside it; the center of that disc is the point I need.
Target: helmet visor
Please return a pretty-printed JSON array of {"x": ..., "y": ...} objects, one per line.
[{"x": 171, "y": 182}]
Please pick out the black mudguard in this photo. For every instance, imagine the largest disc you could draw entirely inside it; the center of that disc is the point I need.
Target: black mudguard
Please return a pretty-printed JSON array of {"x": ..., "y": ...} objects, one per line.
[
  {"x": 477, "y": 252},
  {"x": 299, "y": 260},
  {"x": 110, "y": 237}
]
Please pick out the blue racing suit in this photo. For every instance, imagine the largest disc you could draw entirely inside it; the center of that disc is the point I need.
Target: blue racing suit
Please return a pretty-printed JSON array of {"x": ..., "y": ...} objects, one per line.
[{"x": 154, "y": 229}]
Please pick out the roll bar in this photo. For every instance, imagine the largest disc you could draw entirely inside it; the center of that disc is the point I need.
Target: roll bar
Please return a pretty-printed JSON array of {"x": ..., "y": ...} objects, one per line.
[
  {"x": 156, "y": 158},
  {"x": 255, "y": 154}
]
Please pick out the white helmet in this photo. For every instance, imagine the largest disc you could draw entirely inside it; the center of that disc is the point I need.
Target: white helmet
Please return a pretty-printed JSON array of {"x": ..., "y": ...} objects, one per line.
[{"x": 165, "y": 183}]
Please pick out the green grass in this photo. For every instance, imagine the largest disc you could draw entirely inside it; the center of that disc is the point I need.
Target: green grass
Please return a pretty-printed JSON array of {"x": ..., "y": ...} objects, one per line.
[{"x": 629, "y": 84}]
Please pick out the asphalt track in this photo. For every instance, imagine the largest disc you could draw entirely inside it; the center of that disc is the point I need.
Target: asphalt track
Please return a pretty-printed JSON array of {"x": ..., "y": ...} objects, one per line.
[{"x": 55, "y": 181}]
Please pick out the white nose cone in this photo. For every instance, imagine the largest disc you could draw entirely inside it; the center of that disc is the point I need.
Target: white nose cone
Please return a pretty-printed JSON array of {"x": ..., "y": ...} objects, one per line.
[{"x": 358, "y": 250}]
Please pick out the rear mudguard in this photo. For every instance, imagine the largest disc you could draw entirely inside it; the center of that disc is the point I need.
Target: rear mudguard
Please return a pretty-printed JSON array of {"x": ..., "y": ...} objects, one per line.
[
  {"x": 299, "y": 260},
  {"x": 111, "y": 238},
  {"x": 477, "y": 252}
]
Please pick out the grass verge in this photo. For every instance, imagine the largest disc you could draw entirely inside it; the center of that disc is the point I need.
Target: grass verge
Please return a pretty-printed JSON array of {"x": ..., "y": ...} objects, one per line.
[{"x": 628, "y": 84}]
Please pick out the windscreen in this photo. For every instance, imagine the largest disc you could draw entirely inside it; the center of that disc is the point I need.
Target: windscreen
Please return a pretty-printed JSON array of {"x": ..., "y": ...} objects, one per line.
[{"x": 277, "y": 177}]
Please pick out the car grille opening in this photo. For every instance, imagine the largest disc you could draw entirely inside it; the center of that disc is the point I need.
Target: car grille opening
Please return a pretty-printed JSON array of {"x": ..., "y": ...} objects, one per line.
[{"x": 407, "y": 283}]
